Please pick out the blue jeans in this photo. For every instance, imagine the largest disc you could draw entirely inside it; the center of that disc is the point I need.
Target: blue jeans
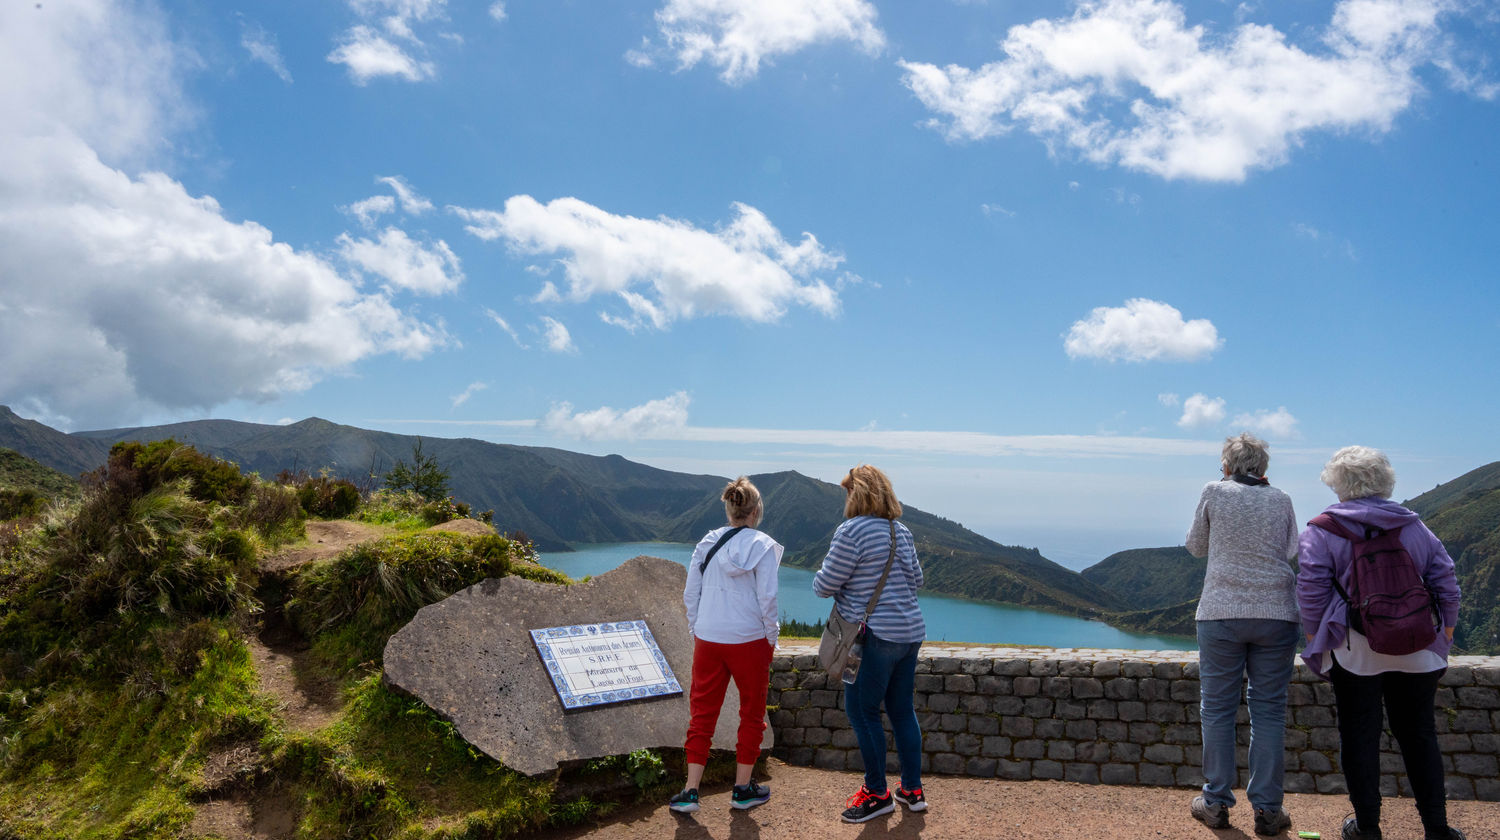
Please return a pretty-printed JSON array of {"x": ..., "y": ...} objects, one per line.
[
  {"x": 887, "y": 675},
  {"x": 1228, "y": 651}
]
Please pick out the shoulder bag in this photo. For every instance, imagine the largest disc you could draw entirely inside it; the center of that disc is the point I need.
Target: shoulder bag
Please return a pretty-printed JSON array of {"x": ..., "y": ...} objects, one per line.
[{"x": 839, "y": 634}]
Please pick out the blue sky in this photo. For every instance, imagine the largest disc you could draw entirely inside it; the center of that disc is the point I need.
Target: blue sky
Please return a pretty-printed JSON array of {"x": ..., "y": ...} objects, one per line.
[{"x": 1035, "y": 258}]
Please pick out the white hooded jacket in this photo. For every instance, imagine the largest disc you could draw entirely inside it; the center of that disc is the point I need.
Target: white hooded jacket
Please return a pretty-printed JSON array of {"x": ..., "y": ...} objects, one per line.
[{"x": 733, "y": 601}]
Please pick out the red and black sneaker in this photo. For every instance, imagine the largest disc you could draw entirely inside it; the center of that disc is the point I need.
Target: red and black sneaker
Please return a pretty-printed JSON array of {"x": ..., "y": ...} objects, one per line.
[
  {"x": 864, "y": 805},
  {"x": 912, "y": 799}
]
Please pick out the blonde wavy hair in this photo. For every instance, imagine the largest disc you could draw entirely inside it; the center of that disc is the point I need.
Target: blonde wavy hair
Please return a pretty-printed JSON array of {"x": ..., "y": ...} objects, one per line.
[
  {"x": 742, "y": 504},
  {"x": 870, "y": 494}
]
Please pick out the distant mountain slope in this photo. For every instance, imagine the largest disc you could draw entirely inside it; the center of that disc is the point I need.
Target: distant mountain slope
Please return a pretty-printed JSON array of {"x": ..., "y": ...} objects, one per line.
[
  {"x": 1147, "y": 578},
  {"x": 559, "y": 497},
  {"x": 1471, "y": 484},
  {"x": 802, "y": 513},
  {"x": 1465, "y": 515},
  {"x": 1171, "y": 620},
  {"x": 65, "y": 453},
  {"x": 17, "y": 472}
]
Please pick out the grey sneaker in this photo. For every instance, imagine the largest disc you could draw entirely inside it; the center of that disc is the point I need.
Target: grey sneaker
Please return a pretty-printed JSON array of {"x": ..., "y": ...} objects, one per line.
[
  {"x": 1213, "y": 816},
  {"x": 1272, "y": 820},
  {"x": 748, "y": 796},
  {"x": 1352, "y": 831},
  {"x": 685, "y": 802}
]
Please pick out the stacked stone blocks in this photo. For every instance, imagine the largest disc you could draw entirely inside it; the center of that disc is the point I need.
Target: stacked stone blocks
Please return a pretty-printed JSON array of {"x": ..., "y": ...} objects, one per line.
[{"x": 1114, "y": 717}]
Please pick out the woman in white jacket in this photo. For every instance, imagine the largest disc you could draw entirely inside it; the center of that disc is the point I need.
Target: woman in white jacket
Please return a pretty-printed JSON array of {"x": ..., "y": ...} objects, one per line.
[{"x": 731, "y": 609}]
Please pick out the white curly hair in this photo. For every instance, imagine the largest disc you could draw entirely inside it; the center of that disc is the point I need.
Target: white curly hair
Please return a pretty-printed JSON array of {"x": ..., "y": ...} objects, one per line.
[{"x": 1356, "y": 472}]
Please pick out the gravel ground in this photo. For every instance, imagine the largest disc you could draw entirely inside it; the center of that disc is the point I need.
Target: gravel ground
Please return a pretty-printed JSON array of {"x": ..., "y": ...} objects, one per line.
[{"x": 805, "y": 803}]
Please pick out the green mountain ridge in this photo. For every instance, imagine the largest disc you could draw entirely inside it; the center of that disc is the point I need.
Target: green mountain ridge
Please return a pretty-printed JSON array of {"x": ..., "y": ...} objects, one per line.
[
  {"x": 558, "y": 497},
  {"x": 1150, "y": 578}
]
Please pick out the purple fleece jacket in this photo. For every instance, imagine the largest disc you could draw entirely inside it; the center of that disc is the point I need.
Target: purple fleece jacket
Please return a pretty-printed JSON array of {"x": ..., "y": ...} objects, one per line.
[{"x": 1321, "y": 555}]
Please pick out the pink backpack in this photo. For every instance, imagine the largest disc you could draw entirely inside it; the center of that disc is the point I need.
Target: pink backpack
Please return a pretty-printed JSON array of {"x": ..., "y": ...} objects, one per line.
[{"x": 1388, "y": 600}]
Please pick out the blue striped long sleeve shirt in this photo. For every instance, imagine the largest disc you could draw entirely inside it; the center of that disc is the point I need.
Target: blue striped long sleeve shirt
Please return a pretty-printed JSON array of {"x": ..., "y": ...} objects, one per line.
[{"x": 852, "y": 568}]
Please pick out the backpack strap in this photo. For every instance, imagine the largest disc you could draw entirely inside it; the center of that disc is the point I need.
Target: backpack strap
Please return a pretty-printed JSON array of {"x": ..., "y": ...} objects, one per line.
[
  {"x": 728, "y": 535},
  {"x": 1331, "y": 525}
]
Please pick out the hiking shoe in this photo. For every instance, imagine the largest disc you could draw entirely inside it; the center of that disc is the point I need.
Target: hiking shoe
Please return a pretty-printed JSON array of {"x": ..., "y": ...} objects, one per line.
[
  {"x": 1213, "y": 816},
  {"x": 748, "y": 796},
  {"x": 1272, "y": 820},
  {"x": 912, "y": 799},
  {"x": 864, "y": 805},
  {"x": 685, "y": 802},
  {"x": 1450, "y": 833},
  {"x": 1352, "y": 831}
]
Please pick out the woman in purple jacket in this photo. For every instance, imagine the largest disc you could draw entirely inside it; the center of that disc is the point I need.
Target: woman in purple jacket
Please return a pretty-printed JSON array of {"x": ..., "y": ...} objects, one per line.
[{"x": 1363, "y": 678}]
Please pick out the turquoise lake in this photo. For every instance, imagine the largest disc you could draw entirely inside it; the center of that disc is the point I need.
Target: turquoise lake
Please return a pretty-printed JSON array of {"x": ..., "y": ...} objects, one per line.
[{"x": 948, "y": 619}]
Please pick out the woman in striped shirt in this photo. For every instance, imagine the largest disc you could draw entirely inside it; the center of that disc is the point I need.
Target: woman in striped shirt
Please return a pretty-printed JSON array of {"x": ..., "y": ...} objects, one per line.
[{"x": 894, "y": 633}]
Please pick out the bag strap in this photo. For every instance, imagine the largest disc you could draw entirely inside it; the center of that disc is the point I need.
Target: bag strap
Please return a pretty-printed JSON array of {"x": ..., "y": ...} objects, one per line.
[
  {"x": 718, "y": 545},
  {"x": 1331, "y": 525},
  {"x": 875, "y": 599}
]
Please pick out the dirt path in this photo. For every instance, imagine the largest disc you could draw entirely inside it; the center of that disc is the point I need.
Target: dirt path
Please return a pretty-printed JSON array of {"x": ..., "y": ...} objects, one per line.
[
  {"x": 324, "y": 539},
  {"x": 306, "y": 704},
  {"x": 805, "y": 805}
]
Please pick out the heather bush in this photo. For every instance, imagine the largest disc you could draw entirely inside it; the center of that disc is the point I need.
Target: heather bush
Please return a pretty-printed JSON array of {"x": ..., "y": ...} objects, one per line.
[
  {"x": 22, "y": 503},
  {"x": 155, "y": 540},
  {"x": 150, "y": 465},
  {"x": 330, "y": 498}
]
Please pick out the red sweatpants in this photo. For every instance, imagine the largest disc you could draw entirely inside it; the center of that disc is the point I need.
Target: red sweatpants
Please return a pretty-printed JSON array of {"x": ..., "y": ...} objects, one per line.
[{"x": 713, "y": 665}]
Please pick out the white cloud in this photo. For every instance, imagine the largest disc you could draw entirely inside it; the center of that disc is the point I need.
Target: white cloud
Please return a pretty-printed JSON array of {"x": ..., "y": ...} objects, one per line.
[
  {"x": 1130, "y": 83},
  {"x": 411, "y": 202},
  {"x": 996, "y": 210},
  {"x": 665, "y": 417},
  {"x": 368, "y": 55},
  {"x": 474, "y": 388},
  {"x": 504, "y": 325},
  {"x": 404, "y": 263},
  {"x": 1273, "y": 424},
  {"x": 1169, "y": 400},
  {"x": 125, "y": 294},
  {"x": 1141, "y": 331},
  {"x": 1202, "y": 412},
  {"x": 369, "y": 209},
  {"x": 737, "y": 35},
  {"x": 497, "y": 10},
  {"x": 665, "y": 269},
  {"x": 556, "y": 336},
  {"x": 262, "y": 47}
]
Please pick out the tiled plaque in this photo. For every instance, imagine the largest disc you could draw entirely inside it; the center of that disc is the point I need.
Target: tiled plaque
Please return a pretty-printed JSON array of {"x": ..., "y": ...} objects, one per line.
[{"x": 595, "y": 664}]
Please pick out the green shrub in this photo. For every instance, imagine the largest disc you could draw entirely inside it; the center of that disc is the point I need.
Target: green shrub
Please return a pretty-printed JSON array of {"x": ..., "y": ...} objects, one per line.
[
  {"x": 382, "y": 584},
  {"x": 22, "y": 503},
  {"x": 164, "y": 461},
  {"x": 153, "y": 543},
  {"x": 330, "y": 498}
]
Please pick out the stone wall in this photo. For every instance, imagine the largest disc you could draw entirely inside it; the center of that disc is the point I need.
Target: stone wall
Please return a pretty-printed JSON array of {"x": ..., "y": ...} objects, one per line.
[{"x": 1114, "y": 717}]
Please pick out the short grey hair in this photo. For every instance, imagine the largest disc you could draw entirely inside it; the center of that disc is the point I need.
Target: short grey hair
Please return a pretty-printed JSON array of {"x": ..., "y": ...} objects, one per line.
[
  {"x": 1245, "y": 454},
  {"x": 1356, "y": 472}
]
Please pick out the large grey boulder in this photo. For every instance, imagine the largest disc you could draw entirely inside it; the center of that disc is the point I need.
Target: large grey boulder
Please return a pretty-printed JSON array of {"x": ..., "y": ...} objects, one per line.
[{"x": 471, "y": 659}]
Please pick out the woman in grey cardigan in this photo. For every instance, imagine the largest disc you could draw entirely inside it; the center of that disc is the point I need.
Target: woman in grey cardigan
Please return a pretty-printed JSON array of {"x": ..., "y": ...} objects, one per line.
[{"x": 1247, "y": 625}]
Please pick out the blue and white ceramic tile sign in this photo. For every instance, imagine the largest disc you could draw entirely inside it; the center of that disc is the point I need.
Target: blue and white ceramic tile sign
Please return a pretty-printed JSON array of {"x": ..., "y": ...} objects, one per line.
[{"x": 597, "y": 664}]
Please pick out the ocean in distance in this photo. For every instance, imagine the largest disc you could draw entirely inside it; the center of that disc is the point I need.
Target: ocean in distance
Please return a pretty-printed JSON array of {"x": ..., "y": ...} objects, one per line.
[{"x": 948, "y": 619}]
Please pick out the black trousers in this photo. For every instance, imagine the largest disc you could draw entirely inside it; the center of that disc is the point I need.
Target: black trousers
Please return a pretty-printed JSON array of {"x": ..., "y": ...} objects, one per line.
[{"x": 1408, "y": 701}]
